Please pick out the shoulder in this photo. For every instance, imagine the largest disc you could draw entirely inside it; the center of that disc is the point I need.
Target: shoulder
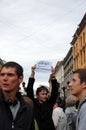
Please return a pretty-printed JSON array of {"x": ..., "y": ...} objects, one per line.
[
  {"x": 82, "y": 110},
  {"x": 25, "y": 102},
  {"x": 82, "y": 104},
  {"x": 57, "y": 111},
  {"x": 28, "y": 100},
  {"x": 81, "y": 115}
]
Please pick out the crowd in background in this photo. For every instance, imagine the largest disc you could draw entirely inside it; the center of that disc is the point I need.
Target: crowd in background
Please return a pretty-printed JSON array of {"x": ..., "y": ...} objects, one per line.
[{"x": 46, "y": 110}]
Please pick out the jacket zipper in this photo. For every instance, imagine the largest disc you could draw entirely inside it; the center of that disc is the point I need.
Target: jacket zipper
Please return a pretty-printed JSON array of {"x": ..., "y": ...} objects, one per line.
[{"x": 12, "y": 124}]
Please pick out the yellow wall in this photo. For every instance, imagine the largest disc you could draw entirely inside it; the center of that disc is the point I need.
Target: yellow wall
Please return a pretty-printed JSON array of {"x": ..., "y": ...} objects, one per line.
[{"x": 79, "y": 50}]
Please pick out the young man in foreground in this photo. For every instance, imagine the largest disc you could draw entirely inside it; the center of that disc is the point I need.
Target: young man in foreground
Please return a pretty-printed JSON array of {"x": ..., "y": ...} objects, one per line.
[
  {"x": 78, "y": 89},
  {"x": 15, "y": 113}
]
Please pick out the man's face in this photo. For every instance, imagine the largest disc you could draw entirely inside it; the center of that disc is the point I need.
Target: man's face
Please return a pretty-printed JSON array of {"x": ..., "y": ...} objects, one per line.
[
  {"x": 9, "y": 80},
  {"x": 76, "y": 86}
]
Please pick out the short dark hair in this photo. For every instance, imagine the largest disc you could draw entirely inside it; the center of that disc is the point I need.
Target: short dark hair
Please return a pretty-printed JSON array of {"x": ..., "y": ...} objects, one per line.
[
  {"x": 39, "y": 89},
  {"x": 19, "y": 69},
  {"x": 82, "y": 74}
]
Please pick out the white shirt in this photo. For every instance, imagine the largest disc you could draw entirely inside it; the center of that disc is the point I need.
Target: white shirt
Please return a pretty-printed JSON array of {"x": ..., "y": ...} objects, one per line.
[{"x": 59, "y": 119}]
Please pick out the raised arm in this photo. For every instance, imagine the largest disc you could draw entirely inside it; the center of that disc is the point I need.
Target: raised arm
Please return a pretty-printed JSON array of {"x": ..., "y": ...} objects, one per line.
[
  {"x": 54, "y": 87},
  {"x": 29, "y": 90}
]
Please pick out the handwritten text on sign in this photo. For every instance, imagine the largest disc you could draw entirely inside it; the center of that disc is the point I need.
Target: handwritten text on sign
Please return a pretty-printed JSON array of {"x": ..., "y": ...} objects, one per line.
[{"x": 43, "y": 66}]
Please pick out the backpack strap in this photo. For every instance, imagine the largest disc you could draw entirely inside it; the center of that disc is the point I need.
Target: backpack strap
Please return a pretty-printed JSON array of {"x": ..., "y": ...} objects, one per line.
[
  {"x": 80, "y": 107},
  {"x": 81, "y": 104}
]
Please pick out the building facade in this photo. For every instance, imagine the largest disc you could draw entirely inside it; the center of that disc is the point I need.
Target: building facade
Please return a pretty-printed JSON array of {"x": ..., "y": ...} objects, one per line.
[
  {"x": 68, "y": 68},
  {"x": 79, "y": 45},
  {"x": 60, "y": 76}
]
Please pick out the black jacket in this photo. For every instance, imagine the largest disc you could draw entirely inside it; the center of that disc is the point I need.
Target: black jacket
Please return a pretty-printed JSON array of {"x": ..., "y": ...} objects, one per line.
[
  {"x": 24, "y": 119},
  {"x": 43, "y": 111}
]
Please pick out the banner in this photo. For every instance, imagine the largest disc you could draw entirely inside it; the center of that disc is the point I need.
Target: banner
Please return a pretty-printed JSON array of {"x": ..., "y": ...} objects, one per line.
[{"x": 43, "y": 66}]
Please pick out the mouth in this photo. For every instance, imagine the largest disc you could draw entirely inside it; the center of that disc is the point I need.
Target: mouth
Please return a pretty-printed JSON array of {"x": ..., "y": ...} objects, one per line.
[
  {"x": 5, "y": 84},
  {"x": 71, "y": 89}
]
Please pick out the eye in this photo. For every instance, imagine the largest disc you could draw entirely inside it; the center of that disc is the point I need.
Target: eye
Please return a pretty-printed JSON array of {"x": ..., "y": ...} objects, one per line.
[
  {"x": 73, "y": 80},
  {"x": 2, "y": 74},
  {"x": 10, "y": 74}
]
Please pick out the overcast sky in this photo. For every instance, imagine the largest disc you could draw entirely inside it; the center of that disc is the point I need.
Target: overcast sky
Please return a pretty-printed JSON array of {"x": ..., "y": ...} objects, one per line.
[{"x": 33, "y": 30}]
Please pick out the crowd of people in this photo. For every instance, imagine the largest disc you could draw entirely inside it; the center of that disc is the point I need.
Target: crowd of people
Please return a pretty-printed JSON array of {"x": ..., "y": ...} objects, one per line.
[{"x": 45, "y": 110}]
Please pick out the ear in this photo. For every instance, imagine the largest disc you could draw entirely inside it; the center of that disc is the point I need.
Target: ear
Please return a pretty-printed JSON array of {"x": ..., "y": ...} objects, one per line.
[
  {"x": 84, "y": 84},
  {"x": 20, "y": 79}
]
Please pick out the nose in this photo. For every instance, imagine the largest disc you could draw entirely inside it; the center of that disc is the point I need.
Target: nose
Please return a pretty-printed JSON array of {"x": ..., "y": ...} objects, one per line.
[{"x": 70, "y": 84}]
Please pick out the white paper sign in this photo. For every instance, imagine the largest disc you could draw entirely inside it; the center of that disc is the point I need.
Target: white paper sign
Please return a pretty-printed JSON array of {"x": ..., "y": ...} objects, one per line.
[{"x": 43, "y": 66}]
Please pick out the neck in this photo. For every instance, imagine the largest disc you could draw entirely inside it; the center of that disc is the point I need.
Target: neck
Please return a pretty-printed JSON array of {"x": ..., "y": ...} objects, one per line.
[
  {"x": 82, "y": 95},
  {"x": 9, "y": 95}
]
